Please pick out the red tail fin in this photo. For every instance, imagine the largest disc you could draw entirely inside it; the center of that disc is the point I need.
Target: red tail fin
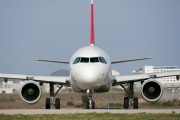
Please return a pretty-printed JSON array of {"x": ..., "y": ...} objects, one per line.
[{"x": 92, "y": 24}]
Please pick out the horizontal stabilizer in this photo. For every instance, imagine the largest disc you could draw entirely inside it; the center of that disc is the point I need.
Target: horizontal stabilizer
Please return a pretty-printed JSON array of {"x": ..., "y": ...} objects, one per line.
[
  {"x": 54, "y": 61},
  {"x": 130, "y": 60}
]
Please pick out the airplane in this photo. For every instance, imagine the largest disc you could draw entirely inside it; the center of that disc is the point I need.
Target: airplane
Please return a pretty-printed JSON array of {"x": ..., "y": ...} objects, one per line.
[{"x": 90, "y": 72}]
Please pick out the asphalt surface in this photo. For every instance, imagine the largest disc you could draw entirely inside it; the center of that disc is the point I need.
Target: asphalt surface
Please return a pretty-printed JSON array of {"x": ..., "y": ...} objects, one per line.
[{"x": 75, "y": 111}]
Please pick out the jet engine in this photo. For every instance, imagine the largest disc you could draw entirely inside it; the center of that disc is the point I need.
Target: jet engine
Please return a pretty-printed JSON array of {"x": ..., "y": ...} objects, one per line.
[
  {"x": 151, "y": 90},
  {"x": 30, "y": 92}
]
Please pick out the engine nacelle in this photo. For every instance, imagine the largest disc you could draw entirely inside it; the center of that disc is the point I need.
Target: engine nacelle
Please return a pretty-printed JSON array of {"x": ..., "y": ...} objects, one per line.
[
  {"x": 151, "y": 90},
  {"x": 30, "y": 92}
]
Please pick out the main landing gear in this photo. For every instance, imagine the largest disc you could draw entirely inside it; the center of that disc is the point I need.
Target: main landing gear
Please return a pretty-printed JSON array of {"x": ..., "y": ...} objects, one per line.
[
  {"x": 52, "y": 101},
  {"x": 130, "y": 100},
  {"x": 90, "y": 102}
]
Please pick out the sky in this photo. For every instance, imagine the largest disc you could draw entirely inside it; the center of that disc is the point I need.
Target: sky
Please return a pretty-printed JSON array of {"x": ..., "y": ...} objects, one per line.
[{"x": 125, "y": 29}]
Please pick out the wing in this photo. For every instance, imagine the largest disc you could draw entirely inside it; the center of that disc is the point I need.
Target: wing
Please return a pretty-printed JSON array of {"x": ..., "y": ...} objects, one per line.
[
  {"x": 45, "y": 79},
  {"x": 129, "y": 60},
  {"x": 54, "y": 61},
  {"x": 141, "y": 77}
]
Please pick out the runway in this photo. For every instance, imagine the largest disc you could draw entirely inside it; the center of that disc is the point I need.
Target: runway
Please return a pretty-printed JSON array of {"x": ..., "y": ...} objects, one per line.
[{"x": 75, "y": 111}]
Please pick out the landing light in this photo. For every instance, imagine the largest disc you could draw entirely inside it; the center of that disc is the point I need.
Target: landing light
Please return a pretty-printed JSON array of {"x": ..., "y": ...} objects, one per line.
[{"x": 87, "y": 90}]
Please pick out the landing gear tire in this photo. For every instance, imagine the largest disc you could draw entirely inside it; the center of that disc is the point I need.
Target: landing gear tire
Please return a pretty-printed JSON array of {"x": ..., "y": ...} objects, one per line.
[
  {"x": 57, "y": 103},
  {"x": 135, "y": 103},
  {"x": 52, "y": 101},
  {"x": 93, "y": 105},
  {"x": 126, "y": 103},
  {"x": 48, "y": 103},
  {"x": 87, "y": 104},
  {"x": 130, "y": 100}
]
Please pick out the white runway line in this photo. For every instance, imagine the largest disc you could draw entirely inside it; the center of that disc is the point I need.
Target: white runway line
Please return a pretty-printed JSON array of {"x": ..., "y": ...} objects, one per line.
[{"x": 75, "y": 111}]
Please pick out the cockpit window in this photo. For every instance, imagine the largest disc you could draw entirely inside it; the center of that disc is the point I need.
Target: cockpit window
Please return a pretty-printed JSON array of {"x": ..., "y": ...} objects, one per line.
[
  {"x": 94, "y": 59},
  {"x": 84, "y": 60},
  {"x": 76, "y": 60},
  {"x": 102, "y": 60}
]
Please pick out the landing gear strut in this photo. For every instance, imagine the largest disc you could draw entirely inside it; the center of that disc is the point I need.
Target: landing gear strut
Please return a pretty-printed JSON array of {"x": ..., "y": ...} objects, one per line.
[
  {"x": 52, "y": 101},
  {"x": 130, "y": 100},
  {"x": 90, "y": 102}
]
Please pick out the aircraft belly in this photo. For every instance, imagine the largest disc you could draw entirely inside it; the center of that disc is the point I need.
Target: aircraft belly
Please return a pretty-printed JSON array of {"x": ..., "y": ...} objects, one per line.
[{"x": 95, "y": 85}]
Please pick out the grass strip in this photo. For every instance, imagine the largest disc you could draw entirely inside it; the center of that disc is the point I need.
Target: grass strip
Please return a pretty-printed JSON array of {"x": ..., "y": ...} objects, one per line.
[{"x": 92, "y": 116}]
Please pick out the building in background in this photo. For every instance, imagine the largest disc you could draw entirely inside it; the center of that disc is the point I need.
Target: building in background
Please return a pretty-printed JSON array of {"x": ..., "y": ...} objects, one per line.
[
  {"x": 153, "y": 69},
  {"x": 11, "y": 86}
]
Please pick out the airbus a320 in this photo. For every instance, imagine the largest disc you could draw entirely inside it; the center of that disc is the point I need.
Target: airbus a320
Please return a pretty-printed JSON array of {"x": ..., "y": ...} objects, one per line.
[{"x": 90, "y": 72}]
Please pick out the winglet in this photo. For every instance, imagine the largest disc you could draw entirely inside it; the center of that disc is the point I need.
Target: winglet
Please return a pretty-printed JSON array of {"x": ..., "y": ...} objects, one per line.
[{"x": 92, "y": 41}]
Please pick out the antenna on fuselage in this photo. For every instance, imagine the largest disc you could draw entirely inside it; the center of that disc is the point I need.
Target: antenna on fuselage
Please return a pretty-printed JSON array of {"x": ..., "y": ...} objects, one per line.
[{"x": 92, "y": 24}]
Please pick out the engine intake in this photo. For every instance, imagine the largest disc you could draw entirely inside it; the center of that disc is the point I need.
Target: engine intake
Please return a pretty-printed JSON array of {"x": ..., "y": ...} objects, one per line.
[
  {"x": 151, "y": 90},
  {"x": 30, "y": 92}
]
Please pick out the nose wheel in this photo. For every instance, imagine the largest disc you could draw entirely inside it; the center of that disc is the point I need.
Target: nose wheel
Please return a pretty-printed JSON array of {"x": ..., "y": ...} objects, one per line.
[{"x": 90, "y": 103}]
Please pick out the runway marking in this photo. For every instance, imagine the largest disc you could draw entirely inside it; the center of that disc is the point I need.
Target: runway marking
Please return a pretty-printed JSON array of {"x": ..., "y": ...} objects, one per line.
[{"x": 75, "y": 111}]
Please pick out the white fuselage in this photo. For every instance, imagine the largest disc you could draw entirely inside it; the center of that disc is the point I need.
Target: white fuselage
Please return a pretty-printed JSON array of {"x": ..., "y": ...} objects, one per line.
[{"x": 90, "y": 68}]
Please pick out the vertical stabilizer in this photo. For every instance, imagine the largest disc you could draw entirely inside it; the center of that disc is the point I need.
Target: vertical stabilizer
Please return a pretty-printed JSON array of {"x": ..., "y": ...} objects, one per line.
[{"x": 92, "y": 24}]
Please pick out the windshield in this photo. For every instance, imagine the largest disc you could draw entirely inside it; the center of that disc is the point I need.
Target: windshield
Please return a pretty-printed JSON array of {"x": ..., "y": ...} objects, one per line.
[
  {"x": 84, "y": 60},
  {"x": 76, "y": 60},
  {"x": 94, "y": 59},
  {"x": 102, "y": 60},
  {"x": 91, "y": 60}
]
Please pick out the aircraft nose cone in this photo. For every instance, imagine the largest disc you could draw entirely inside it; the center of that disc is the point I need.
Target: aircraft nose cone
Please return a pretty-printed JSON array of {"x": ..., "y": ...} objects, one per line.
[
  {"x": 90, "y": 77},
  {"x": 93, "y": 76}
]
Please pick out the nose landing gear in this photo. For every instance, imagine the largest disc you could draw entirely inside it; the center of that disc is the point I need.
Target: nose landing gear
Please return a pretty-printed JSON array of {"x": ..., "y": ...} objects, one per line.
[{"x": 90, "y": 102}]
